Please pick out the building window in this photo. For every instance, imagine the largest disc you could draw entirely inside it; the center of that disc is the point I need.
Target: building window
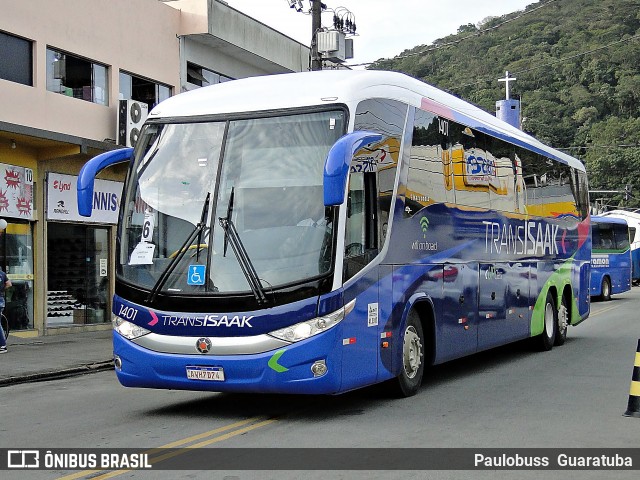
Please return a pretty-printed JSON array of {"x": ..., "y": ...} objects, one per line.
[
  {"x": 142, "y": 89},
  {"x": 17, "y": 59},
  {"x": 198, "y": 76},
  {"x": 77, "y": 77}
]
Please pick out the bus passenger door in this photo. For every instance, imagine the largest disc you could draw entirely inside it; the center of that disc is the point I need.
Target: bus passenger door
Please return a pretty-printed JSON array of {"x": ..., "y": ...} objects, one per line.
[{"x": 361, "y": 282}]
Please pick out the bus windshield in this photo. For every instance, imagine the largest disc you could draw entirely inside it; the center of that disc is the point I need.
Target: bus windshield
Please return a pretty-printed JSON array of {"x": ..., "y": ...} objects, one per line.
[{"x": 263, "y": 175}]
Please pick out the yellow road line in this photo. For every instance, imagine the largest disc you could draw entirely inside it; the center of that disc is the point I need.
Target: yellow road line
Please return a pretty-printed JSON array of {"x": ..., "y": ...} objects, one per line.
[
  {"x": 184, "y": 450},
  {"x": 185, "y": 441},
  {"x": 604, "y": 310}
]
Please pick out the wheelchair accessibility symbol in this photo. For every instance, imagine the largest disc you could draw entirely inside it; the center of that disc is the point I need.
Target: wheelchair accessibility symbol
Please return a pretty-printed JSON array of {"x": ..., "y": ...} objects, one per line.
[{"x": 196, "y": 273}]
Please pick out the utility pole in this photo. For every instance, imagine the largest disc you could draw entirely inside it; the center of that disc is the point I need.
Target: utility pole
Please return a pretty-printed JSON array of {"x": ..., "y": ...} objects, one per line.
[{"x": 316, "y": 10}]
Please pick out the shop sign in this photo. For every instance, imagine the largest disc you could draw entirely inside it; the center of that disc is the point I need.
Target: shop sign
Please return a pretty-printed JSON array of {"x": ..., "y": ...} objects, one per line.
[
  {"x": 16, "y": 192},
  {"x": 62, "y": 200}
]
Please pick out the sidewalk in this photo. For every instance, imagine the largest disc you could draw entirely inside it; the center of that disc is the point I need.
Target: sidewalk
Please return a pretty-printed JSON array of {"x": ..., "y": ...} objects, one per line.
[{"x": 55, "y": 356}]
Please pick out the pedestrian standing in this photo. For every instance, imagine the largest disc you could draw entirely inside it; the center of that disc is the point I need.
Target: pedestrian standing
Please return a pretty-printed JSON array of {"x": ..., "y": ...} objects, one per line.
[{"x": 4, "y": 283}]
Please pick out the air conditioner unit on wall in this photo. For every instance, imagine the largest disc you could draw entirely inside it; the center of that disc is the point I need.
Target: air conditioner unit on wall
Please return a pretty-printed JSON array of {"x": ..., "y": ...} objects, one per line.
[{"x": 131, "y": 116}]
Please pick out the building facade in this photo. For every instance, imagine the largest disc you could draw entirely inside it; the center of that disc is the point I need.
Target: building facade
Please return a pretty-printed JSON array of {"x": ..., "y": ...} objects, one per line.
[{"x": 66, "y": 66}]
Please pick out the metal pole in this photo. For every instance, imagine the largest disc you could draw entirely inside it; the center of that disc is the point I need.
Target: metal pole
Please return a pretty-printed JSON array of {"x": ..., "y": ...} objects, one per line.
[{"x": 316, "y": 10}]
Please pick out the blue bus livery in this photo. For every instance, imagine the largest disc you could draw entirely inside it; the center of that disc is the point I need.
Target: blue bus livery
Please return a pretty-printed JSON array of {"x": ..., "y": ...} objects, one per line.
[
  {"x": 346, "y": 228},
  {"x": 633, "y": 220},
  {"x": 610, "y": 256}
]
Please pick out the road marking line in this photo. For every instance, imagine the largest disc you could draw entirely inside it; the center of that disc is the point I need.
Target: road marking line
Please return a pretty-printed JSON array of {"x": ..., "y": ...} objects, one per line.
[
  {"x": 185, "y": 441},
  {"x": 184, "y": 450},
  {"x": 604, "y": 310}
]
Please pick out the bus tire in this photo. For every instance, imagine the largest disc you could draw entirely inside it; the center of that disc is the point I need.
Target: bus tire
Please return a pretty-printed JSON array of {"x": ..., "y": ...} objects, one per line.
[
  {"x": 408, "y": 381},
  {"x": 547, "y": 338},
  {"x": 563, "y": 322},
  {"x": 605, "y": 291}
]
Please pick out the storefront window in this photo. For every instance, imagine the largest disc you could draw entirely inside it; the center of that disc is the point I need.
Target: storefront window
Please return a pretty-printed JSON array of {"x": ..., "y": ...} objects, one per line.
[
  {"x": 77, "y": 275},
  {"x": 16, "y": 257}
]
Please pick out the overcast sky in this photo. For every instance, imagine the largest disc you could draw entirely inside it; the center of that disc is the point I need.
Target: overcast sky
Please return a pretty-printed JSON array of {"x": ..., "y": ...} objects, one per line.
[{"x": 385, "y": 27}]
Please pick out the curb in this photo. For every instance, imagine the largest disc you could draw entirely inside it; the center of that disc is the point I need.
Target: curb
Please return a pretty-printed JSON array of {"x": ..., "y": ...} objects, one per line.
[{"x": 58, "y": 374}]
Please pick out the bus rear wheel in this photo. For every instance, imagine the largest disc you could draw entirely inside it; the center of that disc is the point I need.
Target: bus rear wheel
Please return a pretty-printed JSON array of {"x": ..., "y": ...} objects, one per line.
[
  {"x": 606, "y": 289},
  {"x": 547, "y": 338},
  {"x": 408, "y": 381},
  {"x": 563, "y": 322}
]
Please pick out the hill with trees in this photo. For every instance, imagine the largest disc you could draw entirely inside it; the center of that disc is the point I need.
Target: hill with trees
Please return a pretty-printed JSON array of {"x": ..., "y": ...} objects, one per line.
[{"x": 577, "y": 69}]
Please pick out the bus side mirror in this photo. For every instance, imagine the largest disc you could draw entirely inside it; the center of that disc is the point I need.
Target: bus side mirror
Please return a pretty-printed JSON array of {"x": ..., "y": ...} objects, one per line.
[
  {"x": 336, "y": 167},
  {"x": 91, "y": 169}
]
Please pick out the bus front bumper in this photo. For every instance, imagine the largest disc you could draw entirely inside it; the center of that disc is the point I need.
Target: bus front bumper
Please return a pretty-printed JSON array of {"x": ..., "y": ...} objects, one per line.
[{"x": 289, "y": 369}]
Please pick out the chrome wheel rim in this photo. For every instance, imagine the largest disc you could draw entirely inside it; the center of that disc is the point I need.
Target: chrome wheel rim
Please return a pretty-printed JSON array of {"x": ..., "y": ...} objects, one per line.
[
  {"x": 411, "y": 352},
  {"x": 563, "y": 319},
  {"x": 605, "y": 289}
]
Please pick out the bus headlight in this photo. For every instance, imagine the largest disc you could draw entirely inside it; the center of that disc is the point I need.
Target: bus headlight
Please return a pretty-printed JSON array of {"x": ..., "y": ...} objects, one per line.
[
  {"x": 304, "y": 330},
  {"x": 127, "y": 329}
]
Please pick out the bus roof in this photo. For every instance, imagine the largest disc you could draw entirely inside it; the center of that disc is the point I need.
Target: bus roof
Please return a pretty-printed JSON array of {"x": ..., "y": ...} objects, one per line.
[
  {"x": 607, "y": 219},
  {"x": 631, "y": 217},
  {"x": 330, "y": 87}
]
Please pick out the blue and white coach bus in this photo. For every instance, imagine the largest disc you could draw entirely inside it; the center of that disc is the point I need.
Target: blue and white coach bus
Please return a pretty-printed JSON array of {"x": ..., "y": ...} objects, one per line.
[
  {"x": 318, "y": 232},
  {"x": 610, "y": 256}
]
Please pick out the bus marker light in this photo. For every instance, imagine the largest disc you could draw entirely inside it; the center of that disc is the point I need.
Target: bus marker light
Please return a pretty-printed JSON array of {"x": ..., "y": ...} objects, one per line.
[
  {"x": 385, "y": 344},
  {"x": 462, "y": 320},
  {"x": 348, "y": 341},
  {"x": 386, "y": 335}
]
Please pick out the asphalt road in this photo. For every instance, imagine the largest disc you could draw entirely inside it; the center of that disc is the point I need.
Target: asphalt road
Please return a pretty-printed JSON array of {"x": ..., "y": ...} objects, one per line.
[{"x": 511, "y": 397}]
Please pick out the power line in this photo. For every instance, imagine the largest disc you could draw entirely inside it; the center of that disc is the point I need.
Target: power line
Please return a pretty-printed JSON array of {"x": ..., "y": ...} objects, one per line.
[
  {"x": 580, "y": 147},
  {"x": 455, "y": 42}
]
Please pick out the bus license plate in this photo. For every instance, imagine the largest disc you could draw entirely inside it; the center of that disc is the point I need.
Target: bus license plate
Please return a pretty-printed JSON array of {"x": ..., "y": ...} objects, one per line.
[{"x": 213, "y": 374}]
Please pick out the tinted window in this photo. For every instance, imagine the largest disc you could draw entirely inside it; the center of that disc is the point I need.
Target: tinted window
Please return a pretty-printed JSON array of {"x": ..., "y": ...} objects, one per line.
[
  {"x": 621, "y": 233},
  {"x": 16, "y": 59},
  {"x": 632, "y": 234},
  {"x": 388, "y": 118},
  {"x": 603, "y": 237},
  {"x": 473, "y": 171},
  {"x": 430, "y": 176},
  {"x": 505, "y": 179}
]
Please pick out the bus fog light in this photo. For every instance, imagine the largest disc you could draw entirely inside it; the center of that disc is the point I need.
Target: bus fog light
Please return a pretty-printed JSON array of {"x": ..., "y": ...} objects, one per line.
[
  {"x": 117, "y": 362},
  {"x": 319, "y": 368}
]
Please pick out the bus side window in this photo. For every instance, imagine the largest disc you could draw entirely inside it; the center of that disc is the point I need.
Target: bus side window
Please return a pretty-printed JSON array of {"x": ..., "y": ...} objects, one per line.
[
  {"x": 361, "y": 229},
  {"x": 387, "y": 117}
]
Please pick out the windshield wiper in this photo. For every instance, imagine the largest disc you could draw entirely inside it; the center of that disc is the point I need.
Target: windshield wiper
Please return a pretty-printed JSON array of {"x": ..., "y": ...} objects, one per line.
[
  {"x": 196, "y": 232},
  {"x": 231, "y": 235}
]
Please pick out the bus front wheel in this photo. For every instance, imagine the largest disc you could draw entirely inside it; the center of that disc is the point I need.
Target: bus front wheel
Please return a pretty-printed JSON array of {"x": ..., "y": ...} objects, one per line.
[{"x": 408, "y": 381}]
